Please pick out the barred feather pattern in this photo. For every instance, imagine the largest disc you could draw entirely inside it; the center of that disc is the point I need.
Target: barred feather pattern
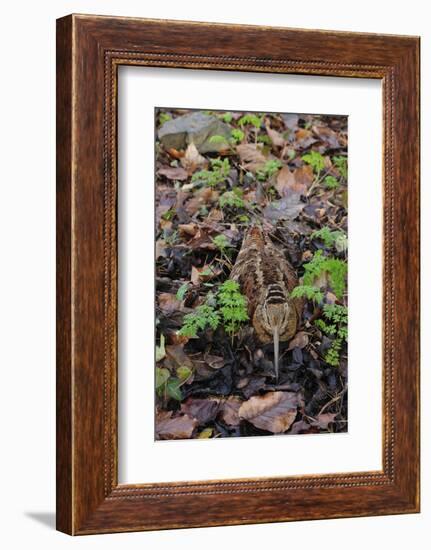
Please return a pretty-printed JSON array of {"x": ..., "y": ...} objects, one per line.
[{"x": 266, "y": 279}]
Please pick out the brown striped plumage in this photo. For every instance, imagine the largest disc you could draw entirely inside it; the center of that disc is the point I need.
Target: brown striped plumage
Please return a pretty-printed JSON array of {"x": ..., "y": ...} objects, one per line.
[{"x": 266, "y": 278}]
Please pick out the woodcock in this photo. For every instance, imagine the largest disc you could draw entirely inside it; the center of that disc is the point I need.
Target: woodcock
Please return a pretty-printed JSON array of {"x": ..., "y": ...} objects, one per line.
[{"x": 266, "y": 279}]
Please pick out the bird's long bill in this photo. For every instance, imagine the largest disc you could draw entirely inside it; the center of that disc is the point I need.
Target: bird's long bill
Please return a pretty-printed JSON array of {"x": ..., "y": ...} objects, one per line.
[{"x": 276, "y": 345}]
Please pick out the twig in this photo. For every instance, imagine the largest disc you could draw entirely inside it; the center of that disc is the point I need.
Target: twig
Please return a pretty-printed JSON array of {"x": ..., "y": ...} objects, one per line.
[
  {"x": 333, "y": 400},
  {"x": 316, "y": 182}
]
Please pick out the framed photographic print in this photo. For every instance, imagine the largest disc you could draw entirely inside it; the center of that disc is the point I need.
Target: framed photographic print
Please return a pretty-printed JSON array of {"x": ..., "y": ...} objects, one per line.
[{"x": 237, "y": 274}]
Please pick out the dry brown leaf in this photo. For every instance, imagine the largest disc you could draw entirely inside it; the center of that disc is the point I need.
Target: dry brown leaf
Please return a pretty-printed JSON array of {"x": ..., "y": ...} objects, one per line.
[
  {"x": 173, "y": 173},
  {"x": 287, "y": 208},
  {"x": 299, "y": 341},
  {"x": 273, "y": 412},
  {"x": 242, "y": 382},
  {"x": 208, "y": 195},
  {"x": 203, "y": 197},
  {"x": 175, "y": 153},
  {"x": 178, "y": 356},
  {"x": 187, "y": 229},
  {"x": 165, "y": 224},
  {"x": 292, "y": 182},
  {"x": 304, "y": 175},
  {"x": 301, "y": 427},
  {"x": 195, "y": 275},
  {"x": 276, "y": 138},
  {"x": 330, "y": 298},
  {"x": 304, "y": 138},
  {"x": 193, "y": 160},
  {"x": 214, "y": 216},
  {"x": 176, "y": 339},
  {"x": 203, "y": 410},
  {"x": 214, "y": 361},
  {"x": 229, "y": 411},
  {"x": 290, "y": 121},
  {"x": 251, "y": 156},
  {"x": 205, "y": 273},
  {"x": 174, "y": 427},
  {"x": 160, "y": 249},
  {"x": 202, "y": 240},
  {"x": 323, "y": 420},
  {"x": 327, "y": 136},
  {"x": 169, "y": 303}
]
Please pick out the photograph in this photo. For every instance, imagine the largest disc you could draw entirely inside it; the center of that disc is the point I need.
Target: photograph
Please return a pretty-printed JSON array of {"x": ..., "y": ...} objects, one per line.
[
  {"x": 251, "y": 256},
  {"x": 213, "y": 221}
]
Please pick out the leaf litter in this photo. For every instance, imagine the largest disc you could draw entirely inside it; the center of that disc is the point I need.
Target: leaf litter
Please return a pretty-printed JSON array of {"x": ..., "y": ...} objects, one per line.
[{"x": 287, "y": 172}]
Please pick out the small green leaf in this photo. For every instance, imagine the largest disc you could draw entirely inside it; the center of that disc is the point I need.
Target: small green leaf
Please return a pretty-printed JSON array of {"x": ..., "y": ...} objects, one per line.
[
  {"x": 315, "y": 160},
  {"x": 270, "y": 168},
  {"x": 184, "y": 373},
  {"x": 173, "y": 389},
  {"x": 206, "y": 433},
  {"x": 331, "y": 182},
  {"x": 221, "y": 242},
  {"x": 341, "y": 165},
  {"x": 181, "y": 292},
  {"x": 329, "y": 237},
  {"x": 255, "y": 120},
  {"x": 306, "y": 291},
  {"x": 160, "y": 350},
  {"x": 238, "y": 135},
  {"x": 164, "y": 117},
  {"x": 204, "y": 316},
  {"x": 162, "y": 376},
  {"x": 230, "y": 198}
]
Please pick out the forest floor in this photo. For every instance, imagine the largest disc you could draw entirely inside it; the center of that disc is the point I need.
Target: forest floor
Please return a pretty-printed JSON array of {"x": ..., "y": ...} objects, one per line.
[{"x": 288, "y": 174}]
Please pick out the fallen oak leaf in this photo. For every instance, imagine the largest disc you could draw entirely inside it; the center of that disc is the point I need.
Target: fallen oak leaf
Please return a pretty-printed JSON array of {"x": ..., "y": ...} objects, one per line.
[
  {"x": 253, "y": 386},
  {"x": 203, "y": 410},
  {"x": 206, "y": 366},
  {"x": 204, "y": 197},
  {"x": 304, "y": 175},
  {"x": 276, "y": 138},
  {"x": 273, "y": 412},
  {"x": 304, "y": 138},
  {"x": 327, "y": 136},
  {"x": 173, "y": 173},
  {"x": 174, "y": 427},
  {"x": 228, "y": 411},
  {"x": 202, "y": 240},
  {"x": 287, "y": 208},
  {"x": 251, "y": 156},
  {"x": 292, "y": 181}
]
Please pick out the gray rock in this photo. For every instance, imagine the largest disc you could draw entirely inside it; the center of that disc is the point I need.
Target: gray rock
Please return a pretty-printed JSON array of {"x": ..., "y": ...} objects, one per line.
[{"x": 195, "y": 127}]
